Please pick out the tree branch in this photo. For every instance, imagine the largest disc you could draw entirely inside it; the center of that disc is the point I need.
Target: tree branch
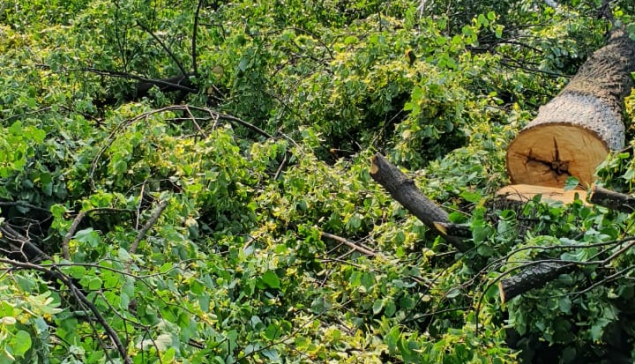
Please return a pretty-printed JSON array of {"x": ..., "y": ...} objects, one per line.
[
  {"x": 409, "y": 196},
  {"x": 612, "y": 200},
  {"x": 349, "y": 244},
  {"x": 165, "y": 48},
  {"x": 153, "y": 218},
  {"x": 195, "y": 32}
]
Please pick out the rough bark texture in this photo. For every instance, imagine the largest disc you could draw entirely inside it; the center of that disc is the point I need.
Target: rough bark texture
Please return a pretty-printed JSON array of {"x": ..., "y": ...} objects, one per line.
[
  {"x": 613, "y": 200},
  {"x": 574, "y": 132},
  {"x": 534, "y": 276},
  {"x": 404, "y": 191}
]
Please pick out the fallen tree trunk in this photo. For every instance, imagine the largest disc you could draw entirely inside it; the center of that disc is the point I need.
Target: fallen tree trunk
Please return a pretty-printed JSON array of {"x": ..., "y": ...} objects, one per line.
[
  {"x": 404, "y": 191},
  {"x": 574, "y": 132}
]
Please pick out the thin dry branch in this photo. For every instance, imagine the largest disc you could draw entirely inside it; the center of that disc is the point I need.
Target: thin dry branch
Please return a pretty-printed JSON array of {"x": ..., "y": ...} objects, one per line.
[
  {"x": 283, "y": 164},
  {"x": 165, "y": 48},
  {"x": 213, "y": 114},
  {"x": 194, "y": 35},
  {"x": 172, "y": 83},
  {"x": 350, "y": 244},
  {"x": 69, "y": 235},
  {"x": 153, "y": 218},
  {"x": 29, "y": 251}
]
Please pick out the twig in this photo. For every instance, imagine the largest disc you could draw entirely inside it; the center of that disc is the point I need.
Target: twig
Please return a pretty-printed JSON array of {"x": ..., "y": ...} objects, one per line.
[
  {"x": 193, "y": 119},
  {"x": 281, "y": 167},
  {"x": 143, "y": 187},
  {"x": 65, "y": 251},
  {"x": 153, "y": 218},
  {"x": 195, "y": 32},
  {"x": 232, "y": 118},
  {"x": 165, "y": 48},
  {"x": 32, "y": 251},
  {"x": 338, "y": 260},
  {"x": 349, "y": 244},
  {"x": 162, "y": 82},
  {"x": 24, "y": 204}
]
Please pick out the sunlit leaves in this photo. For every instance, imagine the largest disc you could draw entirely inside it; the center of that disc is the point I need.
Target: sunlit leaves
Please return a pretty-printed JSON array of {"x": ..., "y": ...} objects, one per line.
[{"x": 236, "y": 268}]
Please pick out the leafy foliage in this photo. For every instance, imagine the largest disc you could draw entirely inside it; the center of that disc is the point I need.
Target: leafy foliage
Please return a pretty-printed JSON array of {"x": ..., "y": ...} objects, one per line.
[{"x": 196, "y": 176}]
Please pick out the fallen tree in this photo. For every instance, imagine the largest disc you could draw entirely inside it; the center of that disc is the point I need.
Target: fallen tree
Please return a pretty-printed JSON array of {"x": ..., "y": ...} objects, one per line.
[
  {"x": 571, "y": 136},
  {"x": 575, "y": 131}
]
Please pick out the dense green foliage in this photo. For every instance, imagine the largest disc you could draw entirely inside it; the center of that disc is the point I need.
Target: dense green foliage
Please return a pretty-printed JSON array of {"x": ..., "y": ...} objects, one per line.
[{"x": 205, "y": 212}]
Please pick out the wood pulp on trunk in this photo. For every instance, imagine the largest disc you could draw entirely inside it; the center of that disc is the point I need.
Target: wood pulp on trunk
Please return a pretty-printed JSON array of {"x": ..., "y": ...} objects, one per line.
[{"x": 574, "y": 132}]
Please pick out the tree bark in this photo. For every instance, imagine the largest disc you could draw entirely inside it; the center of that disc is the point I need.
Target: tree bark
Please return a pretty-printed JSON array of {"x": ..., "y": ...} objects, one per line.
[
  {"x": 574, "y": 132},
  {"x": 533, "y": 276},
  {"x": 613, "y": 200},
  {"x": 404, "y": 191}
]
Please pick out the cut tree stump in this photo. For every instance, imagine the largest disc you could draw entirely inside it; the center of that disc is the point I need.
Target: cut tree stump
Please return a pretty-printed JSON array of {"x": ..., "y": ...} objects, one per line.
[{"x": 575, "y": 131}]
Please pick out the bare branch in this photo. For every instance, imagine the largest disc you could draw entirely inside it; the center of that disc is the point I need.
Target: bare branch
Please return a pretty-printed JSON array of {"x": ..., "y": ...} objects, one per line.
[
  {"x": 165, "y": 48},
  {"x": 195, "y": 31},
  {"x": 69, "y": 235},
  {"x": 153, "y": 218},
  {"x": 350, "y": 244}
]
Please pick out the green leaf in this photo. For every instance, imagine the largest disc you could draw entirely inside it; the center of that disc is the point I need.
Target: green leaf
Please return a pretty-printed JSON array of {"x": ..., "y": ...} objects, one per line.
[
  {"x": 480, "y": 233},
  {"x": 473, "y": 197},
  {"x": 485, "y": 250},
  {"x": 88, "y": 236},
  {"x": 271, "y": 279},
  {"x": 94, "y": 284},
  {"x": 452, "y": 293},
  {"x": 271, "y": 354},
  {"x": 631, "y": 30},
  {"x": 378, "y": 305},
  {"x": 163, "y": 342},
  {"x": 272, "y": 332},
  {"x": 21, "y": 343},
  {"x": 123, "y": 255},
  {"x": 16, "y": 128},
  {"x": 392, "y": 339},
  {"x": 564, "y": 304},
  {"x": 571, "y": 184}
]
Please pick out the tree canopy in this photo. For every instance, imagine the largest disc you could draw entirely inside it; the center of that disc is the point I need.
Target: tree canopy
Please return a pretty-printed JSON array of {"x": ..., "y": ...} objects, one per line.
[{"x": 190, "y": 182}]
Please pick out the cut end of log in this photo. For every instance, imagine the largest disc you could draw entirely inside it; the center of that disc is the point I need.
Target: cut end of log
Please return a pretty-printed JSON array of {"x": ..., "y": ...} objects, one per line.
[
  {"x": 524, "y": 193},
  {"x": 547, "y": 154},
  {"x": 373, "y": 165},
  {"x": 501, "y": 291},
  {"x": 440, "y": 228}
]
